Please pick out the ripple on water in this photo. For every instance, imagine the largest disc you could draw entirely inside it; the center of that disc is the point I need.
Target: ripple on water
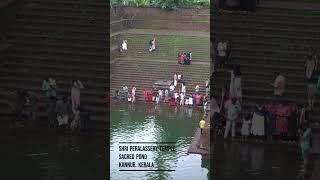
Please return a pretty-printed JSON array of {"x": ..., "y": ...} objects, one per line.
[{"x": 162, "y": 125}]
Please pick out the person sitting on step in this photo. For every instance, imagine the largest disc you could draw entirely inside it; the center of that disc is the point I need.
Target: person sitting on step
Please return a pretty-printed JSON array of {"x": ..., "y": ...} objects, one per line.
[{"x": 152, "y": 44}]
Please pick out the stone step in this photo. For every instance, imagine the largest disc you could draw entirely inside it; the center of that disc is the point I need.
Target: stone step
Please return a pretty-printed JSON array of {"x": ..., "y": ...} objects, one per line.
[{"x": 44, "y": 50}]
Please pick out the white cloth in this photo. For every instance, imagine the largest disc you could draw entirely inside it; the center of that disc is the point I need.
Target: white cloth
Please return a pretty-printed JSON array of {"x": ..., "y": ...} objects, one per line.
[
  {"x": 179, "y": 76},
  {"x": 197, "y": 88},
  {"x": 257, "y": 127},
  {"x": 190, "y": 101},
  {"x": 171, "y": 87},
  {"x": 133, "y": 91},
  {"x": 235, "y": 87},
  {"x": 187, "y": 101},
  {"x": 279, "y": 85},
  {"x": 176, "y": 95},
  {"x": 181, "y": 99},
  {"x": 245, "y": 127},
  {"x": 222, "y": 47},
  {"x": 124, "y": 46},
  {"x": 62, "y": 119},
  {"x": 183, "y": 89},
  {"x": 233, "y": 110},
  {"x": 175, "y": 82}
]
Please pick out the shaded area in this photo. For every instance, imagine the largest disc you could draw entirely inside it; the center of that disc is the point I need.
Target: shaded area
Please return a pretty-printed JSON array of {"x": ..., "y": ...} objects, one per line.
[
  {"x": 48, "y": 155},
  {"x": 246, "y": 161}
]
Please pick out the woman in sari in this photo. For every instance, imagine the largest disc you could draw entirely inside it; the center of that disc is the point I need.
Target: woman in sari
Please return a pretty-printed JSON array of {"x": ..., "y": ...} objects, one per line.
[
  {"x": 311, "y": 66},
  {"x": 75, "y": 99}
]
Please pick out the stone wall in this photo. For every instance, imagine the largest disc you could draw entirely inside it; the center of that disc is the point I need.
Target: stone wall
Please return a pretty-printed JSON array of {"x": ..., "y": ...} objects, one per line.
[
  {"x": 8, "y": 10},
  {"x": 156, "y": 18}
]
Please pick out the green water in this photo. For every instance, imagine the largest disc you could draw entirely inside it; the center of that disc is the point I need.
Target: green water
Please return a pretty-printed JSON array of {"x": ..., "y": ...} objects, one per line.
[{"x": 149, "y": 123}]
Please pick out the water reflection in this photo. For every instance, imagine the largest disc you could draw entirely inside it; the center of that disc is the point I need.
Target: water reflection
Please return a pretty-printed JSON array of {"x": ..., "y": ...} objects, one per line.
[
  {"x": 148, "y": 123},
  {"x": 48, "y": 155},
  {"x": 236, "y": 160}
]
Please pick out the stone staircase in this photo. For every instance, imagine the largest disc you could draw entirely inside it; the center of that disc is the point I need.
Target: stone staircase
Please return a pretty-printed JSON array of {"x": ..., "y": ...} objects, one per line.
[
  {"x": 272, "y": 40},
  {"x": 63, "y": 37},
  {"x": 139, "y": 67},
  {"x": 143, "y": 73}
]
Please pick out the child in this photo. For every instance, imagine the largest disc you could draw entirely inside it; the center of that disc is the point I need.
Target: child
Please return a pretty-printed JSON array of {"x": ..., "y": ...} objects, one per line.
[
  {"x": 305, "y": 142},
  {"x": 129, "y": 97},
  {"x": 245, "y": 129},
  {"x": 202, "y": 124}
]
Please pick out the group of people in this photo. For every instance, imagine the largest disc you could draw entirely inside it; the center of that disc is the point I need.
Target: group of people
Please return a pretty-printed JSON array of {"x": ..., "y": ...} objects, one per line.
[
  {"x": 124, "y": 94},
  {"x": 176, "y": 94},
  {"x": 63, "y": 111},
  {"x": 179, "y": 97},
  {"x": 184, "y": 58},
  {"x": 278, "y": 119}
]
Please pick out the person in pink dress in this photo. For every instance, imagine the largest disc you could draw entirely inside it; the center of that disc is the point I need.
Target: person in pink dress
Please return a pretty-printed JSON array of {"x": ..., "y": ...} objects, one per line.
[
  {"x": 282, "y": 114},
  {"x": 198, "y": 99},
  {"x": 75, "y": 99}
]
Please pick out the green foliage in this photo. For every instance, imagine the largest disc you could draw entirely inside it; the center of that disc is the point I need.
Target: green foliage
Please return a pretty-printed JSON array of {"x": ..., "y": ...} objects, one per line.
[{"x": 164, "y": 4}]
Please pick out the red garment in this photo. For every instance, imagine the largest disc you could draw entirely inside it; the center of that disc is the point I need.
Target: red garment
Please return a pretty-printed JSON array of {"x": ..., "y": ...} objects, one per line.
[
  {"x": 282, "y": 113},
  {"x": 179, "y": 58},
  {"x": 182, "y": 58},
  {"x": 198, "y": 99},
  {"x": 173, "y": 101},
  {"x": 149, "y": 94}
]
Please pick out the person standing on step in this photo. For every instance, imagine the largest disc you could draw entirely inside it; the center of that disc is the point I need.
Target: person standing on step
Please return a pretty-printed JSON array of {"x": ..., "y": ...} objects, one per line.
[
  {"x": 124, "y": 45},
  {"x": 179, "y": 78},
  {"x": 235, "y": 83},
  {"x": 197, "y": 88},
  {"x": 221, "y": 53},
  {"x": 152, "y": 44},
  {"x": 207, "y": 87},
  {"x": 182, "y": 98},
  {"x": 183, "y": 88},
  {"x": 175, "y": 79},
  {"x": 63, "y": 109},
  {"x": 245, "y": 128},
  {"x": 49, "y": 87},
  {"x": 133, "y": 94},
  {"x": 311, "y": 66},
  {"x": 258, "y": 121},
  {"x": 171, "y": 88},
  {"x": 202, "y": 124},
  {"x": 279, "y": 88},
  {"x": 30, "y": 105},
  {"x": 233, "y": 109},
  {"x": 75, "y": 102},
  {"x": 305, "y": 143}
]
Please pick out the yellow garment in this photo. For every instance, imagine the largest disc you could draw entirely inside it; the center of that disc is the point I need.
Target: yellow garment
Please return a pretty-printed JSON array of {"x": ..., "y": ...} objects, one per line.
[{"x": 202, "y": 123}]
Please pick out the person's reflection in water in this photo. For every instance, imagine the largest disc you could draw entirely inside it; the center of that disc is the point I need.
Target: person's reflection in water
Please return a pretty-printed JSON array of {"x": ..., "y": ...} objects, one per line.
[
  {"x": 257, "y": 158},
  {"x": 190, "y": 112},
  {"x": 244, "y": 152}
]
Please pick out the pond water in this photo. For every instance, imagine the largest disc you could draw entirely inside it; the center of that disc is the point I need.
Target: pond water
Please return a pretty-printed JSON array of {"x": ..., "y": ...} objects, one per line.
[
  {"x": 152, "y": 124},
  {"x": 237, "y": 160},
  {"x": 46, "y": 155}
]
